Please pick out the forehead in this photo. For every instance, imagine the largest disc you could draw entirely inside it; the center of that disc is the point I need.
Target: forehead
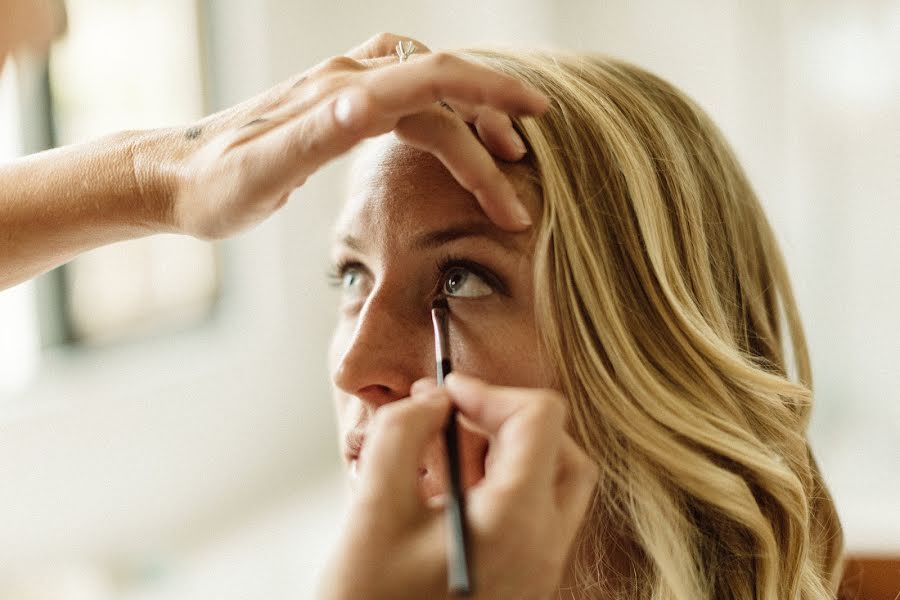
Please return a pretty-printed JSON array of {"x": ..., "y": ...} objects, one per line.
[{"x": 397, "y": 191}]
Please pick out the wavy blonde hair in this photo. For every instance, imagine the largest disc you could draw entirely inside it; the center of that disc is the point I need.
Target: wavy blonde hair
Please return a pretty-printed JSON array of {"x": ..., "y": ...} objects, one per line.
[{"x": 663, "y": 297}]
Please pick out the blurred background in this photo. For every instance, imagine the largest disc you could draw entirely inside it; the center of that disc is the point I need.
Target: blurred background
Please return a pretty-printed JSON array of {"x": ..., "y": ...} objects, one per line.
[{"x": 166, "y": 429}]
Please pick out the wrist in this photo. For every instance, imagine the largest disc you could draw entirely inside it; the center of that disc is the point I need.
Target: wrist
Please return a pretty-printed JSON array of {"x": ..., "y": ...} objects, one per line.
[{"x": 155, "y": 155}]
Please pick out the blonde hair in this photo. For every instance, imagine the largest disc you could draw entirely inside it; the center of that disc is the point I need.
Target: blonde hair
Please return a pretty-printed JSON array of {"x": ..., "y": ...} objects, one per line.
[{"x": 663, "y": 298}]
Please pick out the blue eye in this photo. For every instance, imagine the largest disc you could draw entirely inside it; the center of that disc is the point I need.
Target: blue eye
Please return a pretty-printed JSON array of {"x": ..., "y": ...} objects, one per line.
[
  {"x": 350, "y": 278},
  {"x": 460, "y": 282}
]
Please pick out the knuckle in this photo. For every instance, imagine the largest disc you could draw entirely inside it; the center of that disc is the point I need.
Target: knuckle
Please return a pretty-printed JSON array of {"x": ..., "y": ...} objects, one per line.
[
  {"x": 321, "y": 87},
  {"x": 340, "y": 63},
  {"x": 383, "y": 40},
  {"x": 441, "y": 60}
]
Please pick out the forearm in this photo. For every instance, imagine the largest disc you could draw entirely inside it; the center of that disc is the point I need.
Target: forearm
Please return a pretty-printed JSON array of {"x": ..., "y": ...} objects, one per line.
[{"x": 59, "y": 203}]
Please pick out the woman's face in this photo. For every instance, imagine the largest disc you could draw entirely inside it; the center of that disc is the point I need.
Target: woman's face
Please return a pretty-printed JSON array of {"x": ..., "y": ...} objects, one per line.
[{"x": 408, "y": 233}]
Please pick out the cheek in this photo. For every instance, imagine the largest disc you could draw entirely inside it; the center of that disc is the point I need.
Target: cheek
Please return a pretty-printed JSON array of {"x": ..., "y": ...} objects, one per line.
[{"x": 502, "y": 351}]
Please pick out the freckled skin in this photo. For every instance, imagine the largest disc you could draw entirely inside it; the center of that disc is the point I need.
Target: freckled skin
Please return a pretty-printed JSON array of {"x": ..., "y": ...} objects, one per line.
[{"x": 385, "y": 342}]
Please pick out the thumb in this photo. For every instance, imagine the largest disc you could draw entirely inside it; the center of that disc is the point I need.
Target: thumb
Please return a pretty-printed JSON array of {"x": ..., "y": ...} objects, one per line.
[{"x": 389, "y": 462}]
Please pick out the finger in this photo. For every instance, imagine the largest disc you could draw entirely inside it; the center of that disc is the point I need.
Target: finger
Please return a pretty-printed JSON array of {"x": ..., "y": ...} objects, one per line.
[
  {"x": 287, "y": 153},
  {"x": 299, "y": 93},
  {"x": 383, "y": 44},
  {"x": 526, "y": 426},
  {"x": 492, "y": 406},
  {"x": 378, "y": 61},
  {"x": 389, "y": 462},
  {"x": 576, "y": 483},
  {"x": 495, "y": 129},
  {"x": 448, "y": 138},
  {"x": 497, "y": 133},
  {"x": 423, "y": 386},
  {"x": 407, "y": 88},
  {"x": 428, "y": 384}
]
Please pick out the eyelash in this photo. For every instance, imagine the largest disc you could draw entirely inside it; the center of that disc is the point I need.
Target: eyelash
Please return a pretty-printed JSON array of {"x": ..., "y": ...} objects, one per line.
[
  {"x": 453, "y": 261},
  {"x": 340, "y": 268}
]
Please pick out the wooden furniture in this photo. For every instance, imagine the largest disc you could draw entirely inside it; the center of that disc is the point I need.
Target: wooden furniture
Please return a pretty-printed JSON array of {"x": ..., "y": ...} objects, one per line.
[{"x": 871, "y": 578}]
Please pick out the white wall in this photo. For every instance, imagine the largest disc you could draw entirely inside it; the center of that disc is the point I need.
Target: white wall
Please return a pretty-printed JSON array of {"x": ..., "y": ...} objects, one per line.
[{"x": 167, "y": 454}]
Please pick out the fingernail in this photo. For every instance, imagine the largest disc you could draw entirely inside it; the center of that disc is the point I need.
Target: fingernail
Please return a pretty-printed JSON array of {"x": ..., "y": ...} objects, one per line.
[
  {"x": 458, "y": 379},
  {"x": 543, "y": 101},
  {"x": 435, "y": 396},
  {"x": 518, "y": 144},
  {"x": 422, "y": 386},
  {"x": 520, "y": 212},
  {"x": 460, "y": 383}
]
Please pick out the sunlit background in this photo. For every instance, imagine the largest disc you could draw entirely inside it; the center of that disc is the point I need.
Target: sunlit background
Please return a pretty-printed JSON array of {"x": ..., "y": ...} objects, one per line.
[{"x": 165, "y": 421}]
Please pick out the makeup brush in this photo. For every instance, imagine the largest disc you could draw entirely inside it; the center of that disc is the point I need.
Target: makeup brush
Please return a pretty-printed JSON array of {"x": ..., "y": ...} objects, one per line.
[{"x": 457, "y": 562}]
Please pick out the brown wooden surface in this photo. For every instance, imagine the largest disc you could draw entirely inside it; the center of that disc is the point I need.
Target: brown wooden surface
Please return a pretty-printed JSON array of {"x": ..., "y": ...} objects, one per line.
[{"x": 871, "y": 578}]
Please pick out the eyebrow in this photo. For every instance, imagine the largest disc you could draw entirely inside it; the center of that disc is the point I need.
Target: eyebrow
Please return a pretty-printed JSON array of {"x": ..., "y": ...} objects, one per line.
[{"x": 439, "y": 237}]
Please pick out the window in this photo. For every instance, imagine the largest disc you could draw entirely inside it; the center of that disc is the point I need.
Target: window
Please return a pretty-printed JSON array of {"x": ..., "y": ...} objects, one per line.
[
  {"x": 131, "y": 64},
  {"x": 19, "y": 339},
  {"x": 124, "y": 64}
]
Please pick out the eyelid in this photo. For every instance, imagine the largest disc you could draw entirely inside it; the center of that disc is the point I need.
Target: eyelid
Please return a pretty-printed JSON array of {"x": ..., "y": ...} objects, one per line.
[
  {"x": 479, "y": 270},
  {"x": 340, "y": 267}
]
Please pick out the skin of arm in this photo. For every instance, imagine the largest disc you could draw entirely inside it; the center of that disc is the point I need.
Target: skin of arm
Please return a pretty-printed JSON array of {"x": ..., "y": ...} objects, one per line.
[{"x": 59, "y": 203}]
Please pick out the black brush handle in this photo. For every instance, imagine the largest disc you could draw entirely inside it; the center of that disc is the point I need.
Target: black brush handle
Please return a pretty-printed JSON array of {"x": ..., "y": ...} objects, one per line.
[
  {"x": 457, "y": 563},
  {"x": 443, "y": 369}
]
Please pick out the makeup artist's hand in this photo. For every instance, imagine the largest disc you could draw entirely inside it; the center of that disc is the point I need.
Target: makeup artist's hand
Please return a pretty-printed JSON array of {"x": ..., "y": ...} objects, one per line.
[
  {"x": 233, "y": 169},
  {"x": 237, "y": 167},
  {"x": 522, "y": 517}
]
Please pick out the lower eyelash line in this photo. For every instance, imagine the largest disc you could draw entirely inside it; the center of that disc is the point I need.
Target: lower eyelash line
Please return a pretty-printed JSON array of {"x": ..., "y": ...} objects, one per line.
[{"x": 335, "y": 274}]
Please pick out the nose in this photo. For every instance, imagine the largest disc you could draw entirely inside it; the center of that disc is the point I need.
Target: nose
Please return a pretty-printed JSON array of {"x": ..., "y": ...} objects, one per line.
[{"x": 383, "y": 351}]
